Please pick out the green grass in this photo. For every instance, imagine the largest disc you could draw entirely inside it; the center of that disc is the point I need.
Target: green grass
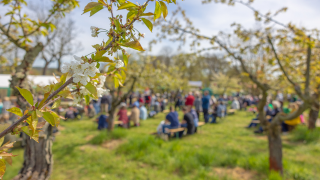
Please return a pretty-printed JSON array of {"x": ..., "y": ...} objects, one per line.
[{"x": 141, "y": 156}]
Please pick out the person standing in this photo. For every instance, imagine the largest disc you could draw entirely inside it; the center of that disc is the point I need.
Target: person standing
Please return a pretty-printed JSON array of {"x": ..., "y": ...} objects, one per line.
[
  {"x": 205, "y": 106},
  {"x": 197, "y": 105},
  {"x": 189, "y": 100},
  {"x": 135, "y": 114},
  {"x": 143, "y": 112},
  {"x": 104, "y": 103}
]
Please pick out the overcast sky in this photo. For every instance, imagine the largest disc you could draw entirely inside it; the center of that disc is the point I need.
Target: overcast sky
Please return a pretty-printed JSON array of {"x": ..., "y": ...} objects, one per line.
[{"x": 209, "y": 18}]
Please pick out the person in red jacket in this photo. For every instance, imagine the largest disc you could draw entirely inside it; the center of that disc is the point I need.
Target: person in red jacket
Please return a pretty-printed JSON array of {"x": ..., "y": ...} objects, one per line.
[{"x": 189, "y": 100}]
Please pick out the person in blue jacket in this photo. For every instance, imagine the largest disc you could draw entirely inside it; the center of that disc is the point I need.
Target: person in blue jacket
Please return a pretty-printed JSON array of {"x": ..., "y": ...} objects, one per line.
[{"x": 205, "y": 106}]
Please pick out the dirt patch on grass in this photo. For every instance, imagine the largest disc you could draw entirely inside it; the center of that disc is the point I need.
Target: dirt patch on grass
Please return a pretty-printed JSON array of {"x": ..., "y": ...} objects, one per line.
[
  {"x": 61, "y": 128},
  {"x": 89, "y": 137},
  {"x": 235, "y": 173},
  {"x": 112, "y": 144},
  {"x": 84, "y": 147}
]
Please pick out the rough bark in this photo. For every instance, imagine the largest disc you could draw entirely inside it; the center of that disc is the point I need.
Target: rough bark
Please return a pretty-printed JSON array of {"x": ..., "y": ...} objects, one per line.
[
  {"x": 21, "y": 72},
  {"x": 38, "y": 159},
  {"x": 313, "y": 116},
  {"x": 275, "y": 149},
  {"x": 111, "y": 118}
]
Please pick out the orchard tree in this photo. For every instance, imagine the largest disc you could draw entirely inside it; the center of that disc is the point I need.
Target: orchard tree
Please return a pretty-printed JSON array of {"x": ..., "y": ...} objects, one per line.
[
  {"x": 81, "y": 79},
  {"x": 259, "y": 43},
  {"x": 63, "y": 44}
]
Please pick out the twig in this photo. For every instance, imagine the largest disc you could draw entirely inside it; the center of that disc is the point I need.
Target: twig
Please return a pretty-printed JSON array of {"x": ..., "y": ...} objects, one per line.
[{"x": 24, "y": 117}]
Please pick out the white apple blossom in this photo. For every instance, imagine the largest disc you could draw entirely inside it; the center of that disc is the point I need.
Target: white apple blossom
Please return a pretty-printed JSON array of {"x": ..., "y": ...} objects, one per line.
[
  {"x": 84, "y": 91},
  {"x": 119, "y": 64},
  {"x": 77, "y": 100},
  {"x": 92, "y": 70},
  {"x": 94, "y": 31},
  {"x": 78, "y": 58},
  {"x": 101, "y": 91}
]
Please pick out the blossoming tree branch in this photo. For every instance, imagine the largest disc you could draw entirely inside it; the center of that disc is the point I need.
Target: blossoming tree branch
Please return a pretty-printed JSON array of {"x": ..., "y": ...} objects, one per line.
[{"x": 81, "y": 79}]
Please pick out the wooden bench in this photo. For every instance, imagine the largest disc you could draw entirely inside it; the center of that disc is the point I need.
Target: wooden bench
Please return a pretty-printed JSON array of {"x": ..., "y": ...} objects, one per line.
[
  {"x": 231, "y": 111},
  {"x": 117, "y": 122},
  {"x": 255, "y": 121},
  {"x": 176, "y": 131},
  {"x": 201, "y": 124}
]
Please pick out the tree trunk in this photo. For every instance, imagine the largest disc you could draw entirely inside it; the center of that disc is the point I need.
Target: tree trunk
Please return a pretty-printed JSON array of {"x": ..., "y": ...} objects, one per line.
[
  {"x": 38, "y": 159},
  {"x": 111, "y": 118},
  {"x": 275, "y": 149},
  {"x": 44, "y": 71},
  {"x": 313, "y": 116},
  {"x": 37, "y": 156},
  {"x": 19, "y": 78},
  {"x": 59, "y": 65}
]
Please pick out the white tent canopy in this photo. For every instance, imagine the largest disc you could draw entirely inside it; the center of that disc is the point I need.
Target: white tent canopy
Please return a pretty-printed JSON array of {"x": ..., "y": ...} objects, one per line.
[{"x": 37, "y": 80}]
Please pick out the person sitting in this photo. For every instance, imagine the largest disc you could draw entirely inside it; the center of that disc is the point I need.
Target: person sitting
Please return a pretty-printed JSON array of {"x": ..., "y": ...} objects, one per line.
[
  {"x": 195, "y": 117},
  {"x": 276, "y": 109},
  {"x": 214, "y": 113},
  {"x": 135, "y": 114},
  {"x": 123, "y": 115},
  {"x": 221, "y": 110},
  {"x": 143, "y": 112},
  {"x": 71, "y": 113},
  {"x": 171, "y": 122},
  {"x": 235, "y": 104},
  {"x": 102, "y": 122},
  {"x": 188, "y": 121},
  {"x": 286, "y": 125}
]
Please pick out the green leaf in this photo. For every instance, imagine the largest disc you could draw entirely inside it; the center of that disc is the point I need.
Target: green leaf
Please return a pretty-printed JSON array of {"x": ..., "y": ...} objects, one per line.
[
  {"x": 117, "y": 23},
  {"x": 90, "y": 6},
  {"x": 147, "y": 14},
  {"x": 34, "y": 136},
  {"x": 131, "y": 14},
  {"x": 99, "y": 54},
  {"x": 164, "y": 9},
  {"x": 65, "y": 94},
  {"x": 34, "y": 122},
  {"x": 46, "y": 95},
  {"x": 87, "y": 98},
  {"x": 125, "y": 59},
  {"x": 16, "y": 111},
  {"x": 39, "y": 113},
  {"x": 134, "y": 45},
  {"x": 95, "y": 10},
  {"x": 157, "y": 11},
  {"x": 121, "y": 1},
  {"x": 56, "y": 104},
  {"x": 26, "y": 94},
  {"x": 104, "y": 59},
  {"x": 123, "y": 74},
  {"x": 92, "y": 89},
  {"x": 63, "y": 77},
  {"x": 174, "y": 1},
  {"x": 147, "y": 23},
  {"x": 56, "y": 118},
  {"x": 116, "y": 82},
  {"x": 49, "y": 118},
  {"x": 126, "y": 5}
]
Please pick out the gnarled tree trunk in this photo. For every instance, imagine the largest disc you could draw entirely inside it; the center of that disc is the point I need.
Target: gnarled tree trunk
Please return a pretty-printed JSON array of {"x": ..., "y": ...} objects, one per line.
[
  {"x": 275, "y": 149},
  {"x": 38, "y": 159},
  {"x": 111, "y": 117},
  {"x": 37, "y": 156},
  {"x": 313, "y": 116}
]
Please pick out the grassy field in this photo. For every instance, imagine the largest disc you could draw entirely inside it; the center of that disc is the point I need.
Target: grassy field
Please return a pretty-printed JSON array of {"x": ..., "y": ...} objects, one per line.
[{"x": 225, "y": 150}]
